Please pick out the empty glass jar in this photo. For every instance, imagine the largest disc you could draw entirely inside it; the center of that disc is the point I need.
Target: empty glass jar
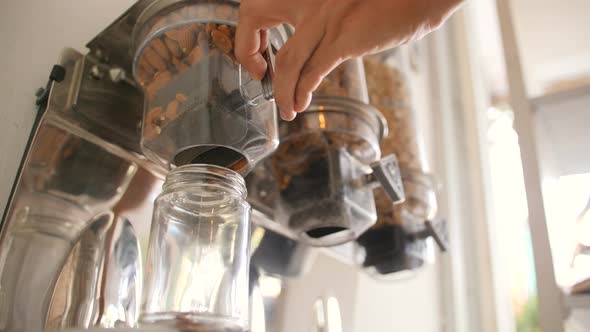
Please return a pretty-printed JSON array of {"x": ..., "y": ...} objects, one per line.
[
  {"x": 198, "y": 257},
  {"x": 200, "y": 107}
]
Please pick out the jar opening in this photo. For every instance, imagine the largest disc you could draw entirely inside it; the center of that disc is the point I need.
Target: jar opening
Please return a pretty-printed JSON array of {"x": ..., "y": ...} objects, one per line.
[
  {"x": 327, "y": 236},
  {"x": 202, "y": 176},
  {"x": 217, "y": 155}
]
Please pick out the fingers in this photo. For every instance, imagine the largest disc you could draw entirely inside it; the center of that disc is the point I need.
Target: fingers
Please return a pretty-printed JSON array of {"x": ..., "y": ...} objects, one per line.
[
  {"x": 321, "y": 63},
  {"x": 290, "y": 61},
  {"x": 263, "y": 40},
  {"x": 248, "y": 45}
]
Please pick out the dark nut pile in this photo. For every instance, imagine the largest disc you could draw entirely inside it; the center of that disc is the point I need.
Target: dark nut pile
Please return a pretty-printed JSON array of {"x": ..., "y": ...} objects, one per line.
[{"x": 171, "y": 54}]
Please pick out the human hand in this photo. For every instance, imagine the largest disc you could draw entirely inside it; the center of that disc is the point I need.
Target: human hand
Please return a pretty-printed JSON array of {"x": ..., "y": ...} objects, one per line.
[{"x": 327, "y": 32}]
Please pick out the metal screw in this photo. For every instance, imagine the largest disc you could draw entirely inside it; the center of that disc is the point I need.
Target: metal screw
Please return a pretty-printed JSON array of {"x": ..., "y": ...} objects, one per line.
[
  {"x": 117, "y": 74},
  {"x": 96, "y": 73},
  {"x": 39, "y": 92}
]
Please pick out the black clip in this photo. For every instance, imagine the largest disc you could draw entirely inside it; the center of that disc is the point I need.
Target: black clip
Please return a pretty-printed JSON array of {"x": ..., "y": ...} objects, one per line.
[
  {"x": 58, "y": 74},
  {"x": 438, "y": 231},
  {"x": 386, "y": 171}
]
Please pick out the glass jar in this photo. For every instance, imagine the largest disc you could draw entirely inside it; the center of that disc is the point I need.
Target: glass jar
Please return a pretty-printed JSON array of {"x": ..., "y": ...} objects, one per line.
[
  {"x": 198, "y": 257},
  {"x": 399, "y": 240},
  {"x": 200, "y": 106},
  {"x": 346, "y": 80}
]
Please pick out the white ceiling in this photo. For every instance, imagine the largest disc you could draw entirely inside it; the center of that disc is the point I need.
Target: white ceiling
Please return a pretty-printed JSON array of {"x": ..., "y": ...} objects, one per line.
[{"x": 553, "y": 37}]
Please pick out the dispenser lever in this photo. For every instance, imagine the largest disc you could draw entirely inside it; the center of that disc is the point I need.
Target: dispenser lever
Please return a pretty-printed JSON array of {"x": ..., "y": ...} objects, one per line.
[
  {"x": 267, "y": 82},
  {"x": 438, "y": 231},
  {"x": 387, "y": 173},
  {"x": 256, "y": 92}
]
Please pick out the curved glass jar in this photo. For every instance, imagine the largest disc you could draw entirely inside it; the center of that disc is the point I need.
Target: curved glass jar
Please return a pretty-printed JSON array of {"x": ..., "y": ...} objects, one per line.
[
  {"x": 392, "y": 244},
  {"x": 200, "y": 107},
  {"x": 321, "y": 166},
  {"x": 346, "y": 80},
  {"x": 198, "y": 257}
]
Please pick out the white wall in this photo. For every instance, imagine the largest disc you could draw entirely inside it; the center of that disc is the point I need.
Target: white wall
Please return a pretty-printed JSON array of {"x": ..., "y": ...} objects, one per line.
[
  {"x": 32, "y": 35},
  {"x": 410, "y": 303},
  {"x": 400, "y": 305},
  {"x": 327, "y": 277},
  {"x": 553, "y": 39}
]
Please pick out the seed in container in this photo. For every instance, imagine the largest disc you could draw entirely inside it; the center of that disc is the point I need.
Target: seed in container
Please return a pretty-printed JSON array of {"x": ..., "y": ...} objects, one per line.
[
  {"x": 221, "y": 41},
  {"x": 160, "y": 47},
  {"x": 210, "y": 27},
  {"x": 151, "y": 124},
  {"x": 173, "y": 47},
  {"x": 154, "y": 59},
  {"x": 187, "y": 36},
  {"x": 226, "y": 30},
  {"x": 172, "y": 110},
  {"x": 195, "y": 56},
  {"x": 160, "y": 81}
]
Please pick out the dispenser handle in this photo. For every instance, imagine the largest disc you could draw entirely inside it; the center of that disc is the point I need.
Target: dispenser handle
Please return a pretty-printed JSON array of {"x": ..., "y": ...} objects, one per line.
[
  {"x": 254, "y": 91},
  {"x": 438, "y": 231},
  {"x": 386, "y": 171},
  {"x": 268, "y": 80}
]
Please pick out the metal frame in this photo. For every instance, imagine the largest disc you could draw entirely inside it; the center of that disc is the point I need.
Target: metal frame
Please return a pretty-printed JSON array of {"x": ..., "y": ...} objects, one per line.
[
  {"x": 468, "y": 281},
  {"x": 551, "y": 308}
]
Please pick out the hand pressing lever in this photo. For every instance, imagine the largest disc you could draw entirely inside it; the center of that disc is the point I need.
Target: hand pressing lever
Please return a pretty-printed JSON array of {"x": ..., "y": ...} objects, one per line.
[{"x": 328, "y": 32}]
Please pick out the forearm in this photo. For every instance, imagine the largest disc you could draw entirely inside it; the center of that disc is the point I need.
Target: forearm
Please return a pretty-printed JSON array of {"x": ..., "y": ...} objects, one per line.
[{"x": 441, "y": 10}]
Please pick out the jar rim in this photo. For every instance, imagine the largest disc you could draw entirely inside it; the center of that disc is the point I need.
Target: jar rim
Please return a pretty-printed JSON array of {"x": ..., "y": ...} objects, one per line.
[
  {"x": 367, "y": 112},
  {"x": 204, "y": 175},
  {"x": 280, "y": 33}
]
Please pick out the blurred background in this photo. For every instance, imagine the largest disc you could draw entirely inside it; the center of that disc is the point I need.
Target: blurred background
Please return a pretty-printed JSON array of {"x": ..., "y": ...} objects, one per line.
[{"x": 502, "y": 94}]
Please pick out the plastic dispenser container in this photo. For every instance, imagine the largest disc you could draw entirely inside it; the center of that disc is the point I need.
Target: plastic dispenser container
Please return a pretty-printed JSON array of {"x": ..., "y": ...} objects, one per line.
[
  {"x": 328, "y": 163},
  {"x": 200, "y": 106},
  {"x": 399, "y": 240}
]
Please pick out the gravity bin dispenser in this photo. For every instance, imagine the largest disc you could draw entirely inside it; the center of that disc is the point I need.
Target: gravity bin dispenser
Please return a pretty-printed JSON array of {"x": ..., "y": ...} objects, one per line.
[{"x": 158, "y": 186}]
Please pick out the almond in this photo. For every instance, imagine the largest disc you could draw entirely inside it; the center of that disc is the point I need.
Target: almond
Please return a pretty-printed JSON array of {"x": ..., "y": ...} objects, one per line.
[
  {"x": 187, "y": 38},
  {"x": 210, "y": 27},
  {"x": 172, "y": 110},
  {"x": 160, "y": 47},
  {"x": 194, "y": 56},
  {"x": 225, "y": 30},
  {"x": 173, "y": 47},
  {"x": 160, "y": 80},
  {"x": 221, "y": 41},
  {"x": 182, "y": 98},
  {"x": 154, "y": 59}
]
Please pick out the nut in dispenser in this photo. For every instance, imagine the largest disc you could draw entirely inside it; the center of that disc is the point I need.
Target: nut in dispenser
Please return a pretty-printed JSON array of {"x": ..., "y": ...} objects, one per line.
[{"x": 200, "y": 106}]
